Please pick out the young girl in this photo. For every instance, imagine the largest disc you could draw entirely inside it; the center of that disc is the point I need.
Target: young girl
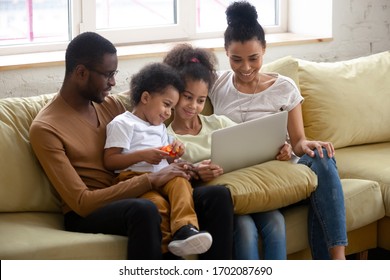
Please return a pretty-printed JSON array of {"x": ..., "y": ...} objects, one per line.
[
  {"x": 134, "y": 146},
  {"x": 197, "y": 69},
  {"x": 244, "y": 93}
]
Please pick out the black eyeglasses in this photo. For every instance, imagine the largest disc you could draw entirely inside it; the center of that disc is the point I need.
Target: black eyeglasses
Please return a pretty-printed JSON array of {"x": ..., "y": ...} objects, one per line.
[{"x": 108, "y": 76}]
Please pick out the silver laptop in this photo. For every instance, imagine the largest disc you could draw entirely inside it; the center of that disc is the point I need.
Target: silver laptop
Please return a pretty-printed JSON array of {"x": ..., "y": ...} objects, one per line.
[{"x": 249, "y": 143}]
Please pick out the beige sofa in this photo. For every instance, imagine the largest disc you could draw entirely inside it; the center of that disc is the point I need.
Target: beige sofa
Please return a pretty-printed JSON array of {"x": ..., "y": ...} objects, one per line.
[{"x": 31, "y": 224}]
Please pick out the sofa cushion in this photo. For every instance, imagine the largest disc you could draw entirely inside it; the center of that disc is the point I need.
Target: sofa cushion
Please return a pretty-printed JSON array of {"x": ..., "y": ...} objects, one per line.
[
  {"x": 287, "y": 66},
  {"x": 24, "y": 186},
  {"x": 267, "y": 186},
  {"x": 363, "y": 205},
  {"x": 363, "y": 202},
  {"x": 40, "y": 236},
  {"x": 347, "y": 102},
  {"x": 370, "y": 162}
]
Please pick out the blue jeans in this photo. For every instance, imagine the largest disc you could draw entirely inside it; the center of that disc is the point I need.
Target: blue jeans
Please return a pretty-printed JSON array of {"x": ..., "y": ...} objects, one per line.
[
  {"x": 326, "y": 220},
  {"x": 271, "y": 228}
]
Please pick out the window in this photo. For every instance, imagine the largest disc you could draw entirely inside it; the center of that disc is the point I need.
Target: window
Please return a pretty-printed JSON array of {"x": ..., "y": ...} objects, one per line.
[
  {"x": 211, "y": 16},
  {"x": 36, "y": 25},
  {"x": 24, "y": 22},
  {"x": 133, "y": 14}
]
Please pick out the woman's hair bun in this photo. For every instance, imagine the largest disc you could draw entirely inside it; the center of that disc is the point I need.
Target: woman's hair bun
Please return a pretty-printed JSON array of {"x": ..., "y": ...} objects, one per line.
[{"x": 241, "y": 12}]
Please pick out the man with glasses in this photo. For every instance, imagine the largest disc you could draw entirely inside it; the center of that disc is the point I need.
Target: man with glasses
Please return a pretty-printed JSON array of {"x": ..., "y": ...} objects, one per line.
[
  {"x": 109, "y": 75},
  {"x": 68, "y": 137}
]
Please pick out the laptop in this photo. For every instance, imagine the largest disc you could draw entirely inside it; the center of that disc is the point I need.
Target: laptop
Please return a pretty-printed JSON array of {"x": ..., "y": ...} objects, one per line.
[{"x": 249, "y": 143}]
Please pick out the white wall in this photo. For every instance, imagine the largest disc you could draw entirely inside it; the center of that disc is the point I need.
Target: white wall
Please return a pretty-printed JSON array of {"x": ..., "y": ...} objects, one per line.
[{"x": 360, "y": 27}]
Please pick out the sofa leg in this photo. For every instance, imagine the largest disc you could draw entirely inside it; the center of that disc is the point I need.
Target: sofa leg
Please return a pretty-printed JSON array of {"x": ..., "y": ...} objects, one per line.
[{"x": 362, "y": 255}]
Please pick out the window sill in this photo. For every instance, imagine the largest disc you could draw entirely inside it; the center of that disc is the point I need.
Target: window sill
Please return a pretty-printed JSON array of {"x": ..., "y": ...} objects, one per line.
[{"x": 46, "y": 59}]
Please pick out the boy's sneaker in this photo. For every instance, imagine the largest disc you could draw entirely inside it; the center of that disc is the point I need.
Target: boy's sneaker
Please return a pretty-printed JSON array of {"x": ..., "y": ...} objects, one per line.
[{"x": 190, "y": 241}]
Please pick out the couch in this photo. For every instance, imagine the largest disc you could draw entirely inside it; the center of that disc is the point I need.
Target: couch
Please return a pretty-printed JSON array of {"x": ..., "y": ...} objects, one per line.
[{"x": 345, "y": 102}]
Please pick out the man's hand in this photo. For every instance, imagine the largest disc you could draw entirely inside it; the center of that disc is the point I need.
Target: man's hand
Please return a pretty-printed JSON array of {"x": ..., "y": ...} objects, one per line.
[{"x": 176, "y": 169}]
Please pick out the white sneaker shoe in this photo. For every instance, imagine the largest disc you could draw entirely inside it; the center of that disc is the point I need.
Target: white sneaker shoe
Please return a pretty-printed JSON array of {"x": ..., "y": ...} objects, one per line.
[{"x": 189, "y": 241}]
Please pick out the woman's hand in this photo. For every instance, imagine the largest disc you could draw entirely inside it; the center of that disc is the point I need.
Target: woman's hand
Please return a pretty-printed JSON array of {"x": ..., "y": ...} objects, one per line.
[
  {"x": 207, "y": 171},
  {"x": 285, "y": 152},
  {"x": 309, "y": 146}
]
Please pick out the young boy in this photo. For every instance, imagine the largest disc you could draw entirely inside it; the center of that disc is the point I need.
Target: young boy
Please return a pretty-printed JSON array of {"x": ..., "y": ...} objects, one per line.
[{"x": 137, "y": 142}]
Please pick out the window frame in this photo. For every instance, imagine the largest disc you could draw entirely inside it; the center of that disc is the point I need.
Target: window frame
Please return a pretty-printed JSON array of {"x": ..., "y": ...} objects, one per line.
[{"x": 83, "y": 18}]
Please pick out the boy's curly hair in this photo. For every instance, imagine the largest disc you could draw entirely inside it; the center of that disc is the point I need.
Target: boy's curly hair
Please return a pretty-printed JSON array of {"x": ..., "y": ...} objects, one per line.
[{"x": 154, "y": 78}]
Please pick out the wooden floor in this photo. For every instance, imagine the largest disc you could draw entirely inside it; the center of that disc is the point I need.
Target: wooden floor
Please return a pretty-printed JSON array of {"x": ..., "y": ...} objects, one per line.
[
  {"x": 378, "y": 254},
  {"x": 373, "y": 254}
]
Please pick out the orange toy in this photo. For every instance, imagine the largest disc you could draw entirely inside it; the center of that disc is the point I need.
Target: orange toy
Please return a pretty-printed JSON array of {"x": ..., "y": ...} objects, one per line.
[{"x": 169, "y": 149}]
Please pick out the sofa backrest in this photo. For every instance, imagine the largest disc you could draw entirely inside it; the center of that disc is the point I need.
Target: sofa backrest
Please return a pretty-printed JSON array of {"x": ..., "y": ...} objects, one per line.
[
  {"x": 23, "y": 184},
  {"x": 347, "y": 102}
]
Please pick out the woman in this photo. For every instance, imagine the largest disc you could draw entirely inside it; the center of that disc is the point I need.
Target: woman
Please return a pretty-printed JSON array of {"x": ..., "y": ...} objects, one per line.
[
  {"x": 197, "y": 69},
  {"x": 244, "y": 93}
]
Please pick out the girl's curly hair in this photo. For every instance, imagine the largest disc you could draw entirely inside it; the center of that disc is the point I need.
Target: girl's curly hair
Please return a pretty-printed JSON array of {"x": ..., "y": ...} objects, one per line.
[{"x": 195, "y": 64}]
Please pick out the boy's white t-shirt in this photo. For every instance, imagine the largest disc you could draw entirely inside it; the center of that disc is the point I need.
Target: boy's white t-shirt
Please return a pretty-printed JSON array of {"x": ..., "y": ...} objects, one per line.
[{"x": 131, "y": 133}]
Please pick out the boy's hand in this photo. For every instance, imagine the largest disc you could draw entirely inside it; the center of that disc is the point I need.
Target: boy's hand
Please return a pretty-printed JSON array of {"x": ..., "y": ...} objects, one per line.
[{"x": 154, "y": 156}]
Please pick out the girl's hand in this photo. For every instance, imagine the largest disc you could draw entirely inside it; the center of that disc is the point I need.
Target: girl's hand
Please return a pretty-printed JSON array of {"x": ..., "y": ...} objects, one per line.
[
  {"x": 207, "y": 171},
  {"x": 285, "y": 152},
  {"x": 177, "y": 148},
  {"x": 174, "y": 150},
  {"x": 188, "y": 166},
  {"x": 309, "y": 146}
]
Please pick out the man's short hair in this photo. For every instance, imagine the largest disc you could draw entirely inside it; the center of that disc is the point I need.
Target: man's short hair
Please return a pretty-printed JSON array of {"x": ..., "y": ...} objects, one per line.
[{"x": 88, "y": 49}]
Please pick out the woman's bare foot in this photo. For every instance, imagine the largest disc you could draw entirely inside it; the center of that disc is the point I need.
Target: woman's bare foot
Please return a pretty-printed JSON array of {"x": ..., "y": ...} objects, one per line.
[{"x": 337, "y": 253}]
